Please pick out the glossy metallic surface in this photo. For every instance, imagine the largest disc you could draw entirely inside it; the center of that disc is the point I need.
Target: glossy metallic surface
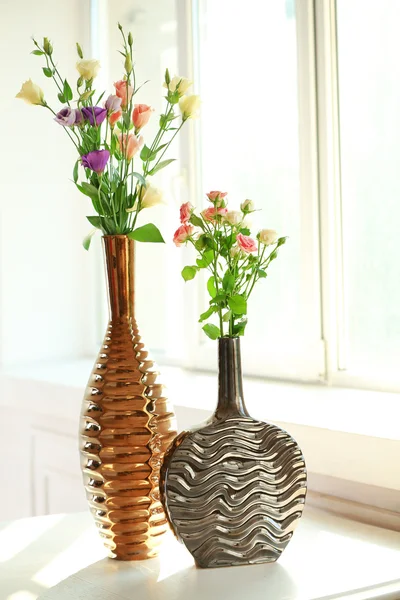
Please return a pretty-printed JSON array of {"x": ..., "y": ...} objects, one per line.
[
  {"x": 126, "y": 424},
  {"x": 234, "y": 488}
]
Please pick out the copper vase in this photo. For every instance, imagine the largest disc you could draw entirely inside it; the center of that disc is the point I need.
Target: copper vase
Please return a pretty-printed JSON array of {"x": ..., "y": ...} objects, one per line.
[
  {"x": 126, "y": 423},
  {"x": 234, "y": 487}
]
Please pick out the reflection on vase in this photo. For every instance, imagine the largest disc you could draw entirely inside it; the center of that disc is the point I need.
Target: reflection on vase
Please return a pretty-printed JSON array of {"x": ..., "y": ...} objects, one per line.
[
  {"x": 233, "y": 488},
  {"x": 126, "y": 424}
]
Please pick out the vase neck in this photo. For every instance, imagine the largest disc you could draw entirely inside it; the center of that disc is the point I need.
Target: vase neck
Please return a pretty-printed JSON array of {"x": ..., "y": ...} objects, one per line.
[
  {"x": 120, "y": 275},
  {"x": 230, "y": 388}
]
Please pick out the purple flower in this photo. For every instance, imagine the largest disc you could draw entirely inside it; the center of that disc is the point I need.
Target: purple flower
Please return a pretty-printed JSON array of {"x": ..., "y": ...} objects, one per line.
[
  {"x": 96, "y": 160},
  {"x": 113, "y": 104},
  {"x": 68, "y": 117},
  {"x": 94, "y": 114}
]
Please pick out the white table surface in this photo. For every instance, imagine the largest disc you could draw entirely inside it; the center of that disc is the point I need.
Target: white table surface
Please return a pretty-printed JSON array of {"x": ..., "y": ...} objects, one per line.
[{"x": 61, "y": 557}]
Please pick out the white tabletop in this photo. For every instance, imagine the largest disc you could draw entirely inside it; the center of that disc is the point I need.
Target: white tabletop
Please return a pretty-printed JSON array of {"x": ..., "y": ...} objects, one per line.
[{"x": 61, "y": 557}]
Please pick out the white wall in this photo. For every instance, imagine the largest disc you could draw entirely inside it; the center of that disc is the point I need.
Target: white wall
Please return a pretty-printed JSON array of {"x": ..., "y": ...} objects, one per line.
[{"x": 46, "y": 277}]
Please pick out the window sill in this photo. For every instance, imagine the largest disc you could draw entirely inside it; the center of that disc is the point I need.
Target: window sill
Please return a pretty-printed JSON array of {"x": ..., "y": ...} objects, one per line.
[{"x": 349, "y": 437}]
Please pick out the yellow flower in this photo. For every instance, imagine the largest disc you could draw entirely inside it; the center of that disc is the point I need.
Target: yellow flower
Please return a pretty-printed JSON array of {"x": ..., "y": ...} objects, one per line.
[
  {"x": 189, "y": 106},
  {"x": 31, "y": 93},
  {"x": 180, "y": 84},
  {"x": 88, "y": 68}
]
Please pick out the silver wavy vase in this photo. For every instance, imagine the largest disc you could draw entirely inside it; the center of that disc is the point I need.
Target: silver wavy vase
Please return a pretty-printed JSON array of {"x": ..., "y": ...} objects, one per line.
[{"x": 233, "y": 488}]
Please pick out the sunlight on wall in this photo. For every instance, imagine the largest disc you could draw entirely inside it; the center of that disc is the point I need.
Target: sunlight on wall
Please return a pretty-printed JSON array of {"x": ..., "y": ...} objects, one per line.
[{"x": 17, "y": 536}]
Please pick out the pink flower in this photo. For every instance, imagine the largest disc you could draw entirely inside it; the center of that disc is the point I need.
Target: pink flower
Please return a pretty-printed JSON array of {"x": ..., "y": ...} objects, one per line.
[
  {"x": 210, "y": 214},
  {"x": 246, "y": 243},
  {"x": 141, "y": 115},
  {"x": 113, "y": 104},
  {"x": 185, "y": 212},
  {"x": 215, "y": 195},
  {"x": 182, "y": 234},
  {"x": 114, "y": 117},
  {"x": 130, "y": 145},
  {"x": 123, "y": 91}
]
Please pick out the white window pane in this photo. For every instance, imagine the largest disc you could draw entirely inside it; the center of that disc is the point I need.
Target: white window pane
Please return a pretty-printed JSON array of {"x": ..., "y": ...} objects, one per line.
[
  {"x": 369, "y": 47},
  {"x": 249, "y": 131}
]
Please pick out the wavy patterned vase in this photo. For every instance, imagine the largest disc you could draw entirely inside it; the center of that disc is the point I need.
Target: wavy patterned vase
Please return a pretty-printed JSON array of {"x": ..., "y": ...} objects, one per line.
[
  {"x": 126, "y": 424},
  {"x": 234, "y": 488}
]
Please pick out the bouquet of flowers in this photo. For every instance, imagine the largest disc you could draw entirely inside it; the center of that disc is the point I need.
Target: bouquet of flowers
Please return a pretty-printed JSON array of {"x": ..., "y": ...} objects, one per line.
[
  {"x": 235, "y": 260},
  {"x": 108, "y": 136}
]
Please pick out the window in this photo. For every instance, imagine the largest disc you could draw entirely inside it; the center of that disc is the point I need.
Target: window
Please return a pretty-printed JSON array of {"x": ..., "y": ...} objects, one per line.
[{"x": 298, "y": 114}]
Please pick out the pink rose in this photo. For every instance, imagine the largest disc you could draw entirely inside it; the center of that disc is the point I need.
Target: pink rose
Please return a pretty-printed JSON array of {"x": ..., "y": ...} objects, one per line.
[
  {"x": 114, "y": 117},
  {"x": 185, "y": 212},
  {"x": 141, "y": 115},
  {"x": 182, "y": 234},
  {"x": 215, "y": 195},
  {"x": 130, "y": 145},
  {"x": 210, "y": 214},
  {"x": 246, "y": 243},
  {"x": 123, "y": 91}
]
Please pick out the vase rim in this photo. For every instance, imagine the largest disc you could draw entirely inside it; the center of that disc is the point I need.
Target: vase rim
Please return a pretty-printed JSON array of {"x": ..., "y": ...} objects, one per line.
[{"x": 116, "y": 235}]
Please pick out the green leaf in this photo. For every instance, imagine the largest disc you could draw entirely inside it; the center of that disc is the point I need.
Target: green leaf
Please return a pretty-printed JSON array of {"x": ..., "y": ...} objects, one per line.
[
  {"x": 208, "y": 313},
  {"x": 273, "y": 255},
  {"x": 239, "y": 327},
  {"x": 212, "y": 290},
  {"x": 206, "y": 259},
  {"x": 61, "y": 98},
  {"x": 147, "y": 233},
  {"x": 245, "y": 231},
  {"x": 95, "y": 221},
  {"x": 37, "y": 52},
  {"x": 161, "y": 165},
  {"x": 228, "y": 282},
  {"x": 140, "y": 178},
  {"x": 261, "y": 273},
  {"x": 219, "y": 298},
  {"x": 99, "y": 98},
  {"x": 227, "y": 316},
  {"x": 196, "y": 221},
  {"x": 212, "y": 331},
  {"x": 67, "y": 91},
  {"x": 119, "y": 125},
  {"x": 145, "y": 153},
  {"x": 87, "y": 240},
  {"x": 48, "y": 72},
  {"x": 75, "y": 171},
  {"x": 90, "y": 190},
  {"x": 126, "y": 119},
  {"x": 238, "y": 305},
  {"x": 189, "y": 273}
]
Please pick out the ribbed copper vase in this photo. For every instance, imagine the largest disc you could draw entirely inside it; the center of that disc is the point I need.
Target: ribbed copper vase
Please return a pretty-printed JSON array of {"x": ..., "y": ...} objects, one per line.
[{"x": 126, "y": 423}]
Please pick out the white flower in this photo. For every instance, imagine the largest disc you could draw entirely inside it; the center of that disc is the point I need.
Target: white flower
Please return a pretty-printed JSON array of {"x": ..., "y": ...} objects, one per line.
[
  {"x": 233, "y": 217},
  {"x": 88, "y": 68},
  {"x": 236, "y": 251},
  {"x": 247, "y": 206},
  {"x": 178, "y": 83},
  {"x": 189, "y": 106},
  {"x": 31, "y": 93},
  {"x": 151, "y": 197},
  {"x": 268, "y": 237}
]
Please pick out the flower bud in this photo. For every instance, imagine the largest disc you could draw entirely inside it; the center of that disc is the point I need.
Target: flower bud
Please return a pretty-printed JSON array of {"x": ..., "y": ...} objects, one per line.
[
  {"x": 247, "y": 206},
  {"x": 79, "y": 83},
  {"x": 79, "y": 50},
  {"x": 47, "y": 47},
  {"x": 128, "y": 63},
  {"x": 120, "y": 26},
  {"x": 130, "y": 39}
]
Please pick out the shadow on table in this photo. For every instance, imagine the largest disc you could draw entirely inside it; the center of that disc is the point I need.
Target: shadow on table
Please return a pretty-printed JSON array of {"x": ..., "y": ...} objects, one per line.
[{"x": 150, "y": 580}]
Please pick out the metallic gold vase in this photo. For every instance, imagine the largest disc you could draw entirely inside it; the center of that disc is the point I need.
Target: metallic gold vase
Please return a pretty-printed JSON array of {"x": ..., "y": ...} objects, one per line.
[
  {"x": 233, "y": 488},
  {"x": 126, "y": 424}
]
